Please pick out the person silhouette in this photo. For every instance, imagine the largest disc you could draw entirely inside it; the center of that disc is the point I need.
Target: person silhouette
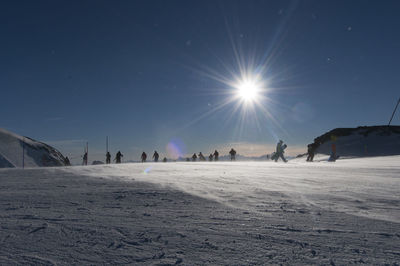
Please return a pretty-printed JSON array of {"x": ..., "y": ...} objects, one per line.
[
  {"x": 85, "y": 159},
  {"x": 216, "y": 154},
  {"x": 143, "y": 157},
  {"x": 280, "y": 150},
  {"x": 156, "y": 156},
  {"x": 201, "y": 157},
  {"x": 108, "y": 158},
  {"x": 118, "y": 157},
  {"x": 233, "y": 154}
]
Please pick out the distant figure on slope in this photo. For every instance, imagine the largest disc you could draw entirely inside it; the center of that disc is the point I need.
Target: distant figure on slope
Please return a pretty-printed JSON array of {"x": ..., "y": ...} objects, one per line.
[
  {"x": 280, "y": 150},
  {"x": 216, "y": 154},
  {"x": 201, "y": 157},
  {"x": 108, "y": 158},
  {"x": 194, "y": 157},
  {"x": 67, "y": 162},
  {"x": 311, "y": 151},
  {"x": 210, "y": 157},
  {"x": 333, "y": 156},
  {"x": 155, "y": 156},
  {"x": 233, "y": 154},
  {"x": 165, "y": 159},
  {"x": 118, "y": 157},
  {"x": 143, "y": 157},
  {"x": 85, "y": 159}
]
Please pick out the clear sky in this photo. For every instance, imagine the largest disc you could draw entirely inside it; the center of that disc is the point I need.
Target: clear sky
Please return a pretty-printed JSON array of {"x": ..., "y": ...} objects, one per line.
[{"x": 160, "y": 74}]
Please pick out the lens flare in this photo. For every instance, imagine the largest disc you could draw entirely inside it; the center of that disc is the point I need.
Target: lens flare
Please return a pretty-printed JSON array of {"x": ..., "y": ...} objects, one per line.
[{"x": 176, "y": 148}]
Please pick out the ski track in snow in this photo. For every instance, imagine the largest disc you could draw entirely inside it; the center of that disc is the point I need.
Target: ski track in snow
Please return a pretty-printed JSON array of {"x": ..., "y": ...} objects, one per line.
[{"x": 240, "y": 213}]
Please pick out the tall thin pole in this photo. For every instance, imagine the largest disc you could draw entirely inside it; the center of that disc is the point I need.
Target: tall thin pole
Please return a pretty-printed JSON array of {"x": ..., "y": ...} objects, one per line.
[
  {"x": 107, "y": 144},
  {"x": 23, "y": 152},
  {"x": 390, "y": 121}
]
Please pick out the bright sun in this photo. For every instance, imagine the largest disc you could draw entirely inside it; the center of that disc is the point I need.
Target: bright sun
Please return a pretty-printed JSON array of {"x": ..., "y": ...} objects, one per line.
[{"x": 248, "y": 90}]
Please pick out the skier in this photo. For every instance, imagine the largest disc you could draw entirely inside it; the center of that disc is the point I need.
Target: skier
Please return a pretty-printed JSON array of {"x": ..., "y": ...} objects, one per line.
[
  {"x": 67, "y": 162},
  {"x": 216, "y": 154},
  {"x": 194, "y": 157},
  {"x": 118, "y": 157},
  {"x": 165, "y": 159},
  {"x": 280, "y": 149},
  {"x": 143, "y": 157},
  {"x": 311, "y": 151},
  {"x": 108, "y": 158},
  {"x": 233, "y": 154},
  {"x": 210, "y": 157},
  {"x": 155, "y": 156},
  {"x": 201, "y": 157},
  {"x": 85, "y": 159}
]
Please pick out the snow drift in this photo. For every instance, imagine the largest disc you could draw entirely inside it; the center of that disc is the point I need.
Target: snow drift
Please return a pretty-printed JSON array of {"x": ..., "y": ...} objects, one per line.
[
  {"x": 16, "y": 151},
  {"x": 361, "y": 141}
]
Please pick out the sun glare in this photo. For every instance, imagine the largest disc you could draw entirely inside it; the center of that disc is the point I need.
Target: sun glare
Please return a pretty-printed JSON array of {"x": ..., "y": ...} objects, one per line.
[{"x": 248, "y": 90}]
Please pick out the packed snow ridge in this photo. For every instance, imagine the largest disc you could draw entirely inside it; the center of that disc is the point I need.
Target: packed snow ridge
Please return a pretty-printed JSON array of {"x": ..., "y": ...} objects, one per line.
[{"x": 19, "y": 151}]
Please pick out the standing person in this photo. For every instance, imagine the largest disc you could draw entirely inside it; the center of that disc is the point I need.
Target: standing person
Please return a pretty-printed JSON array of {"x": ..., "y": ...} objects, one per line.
[
  {"x": 143, "y": 157},
  {"x": 118, "y": 157},
  {"x": 210, "y": 157},
  {"x": 311, "y": 151},
  {"x": 156, "y": 156},
  {"x": 216, "y": 154},
  {"x": 67, "y": 162},
  {"x": 194, "y": 157},
  {"x": 280, "y": 149},
  {"x": 165, "y": 159},
  {"x": 85, "y": 159},
  {"x": 201, "y": 157},
  {"x": 233, "y": 154},
  {"x": 108, "y": 158}
]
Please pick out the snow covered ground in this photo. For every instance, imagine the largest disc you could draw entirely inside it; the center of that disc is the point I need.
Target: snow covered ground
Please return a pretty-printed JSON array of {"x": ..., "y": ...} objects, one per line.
[{"x": 223, "y": 213}]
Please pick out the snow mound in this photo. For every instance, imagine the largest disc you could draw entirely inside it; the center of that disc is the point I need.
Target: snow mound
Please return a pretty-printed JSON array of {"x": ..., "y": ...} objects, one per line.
[
  {"x": 361, "y": 141},
  {"x": 16, "y": 151}
]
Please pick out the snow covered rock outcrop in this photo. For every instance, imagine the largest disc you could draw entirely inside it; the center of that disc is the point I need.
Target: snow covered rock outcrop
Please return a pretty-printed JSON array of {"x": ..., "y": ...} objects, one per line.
[
  {"x": 361, "y": 141},
  {"x": 16, "y": 150}
]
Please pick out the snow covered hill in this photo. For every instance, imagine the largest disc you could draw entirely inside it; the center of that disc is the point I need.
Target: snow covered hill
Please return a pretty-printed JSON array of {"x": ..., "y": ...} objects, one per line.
[
  {"x": 16, "y": 150},
  {"x": 204, "y": 213},
  {"x": 361, "y": 141}
]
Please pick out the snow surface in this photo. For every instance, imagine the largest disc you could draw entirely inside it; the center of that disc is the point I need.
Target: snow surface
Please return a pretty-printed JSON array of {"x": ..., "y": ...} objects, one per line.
[
  {"x": 13, "y": 146},
  {"x": 224, "y": 213}
]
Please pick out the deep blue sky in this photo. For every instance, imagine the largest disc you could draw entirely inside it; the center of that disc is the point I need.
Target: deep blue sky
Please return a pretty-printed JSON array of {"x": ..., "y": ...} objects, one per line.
[{"x": 142, "y": 72}]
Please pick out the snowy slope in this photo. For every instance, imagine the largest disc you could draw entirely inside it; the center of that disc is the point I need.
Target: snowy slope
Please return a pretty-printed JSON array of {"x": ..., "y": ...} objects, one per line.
[
  {"x": 241, "y": 213},
  {"x": 361, "y": 141},
  {"x": 36, "y": 153}
]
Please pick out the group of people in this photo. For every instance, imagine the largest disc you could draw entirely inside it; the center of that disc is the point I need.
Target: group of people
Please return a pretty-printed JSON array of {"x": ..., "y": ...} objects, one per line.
[
  {"x": 155, "y": 157},
  {"x": 279, "y": 153},
  {"x": 117, "y": 159},
  {"x": 212, "y": 157}
]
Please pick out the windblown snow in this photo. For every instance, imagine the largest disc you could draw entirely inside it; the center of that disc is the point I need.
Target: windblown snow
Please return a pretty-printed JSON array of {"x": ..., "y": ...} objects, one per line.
[{"x": 223, "y": 213}]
